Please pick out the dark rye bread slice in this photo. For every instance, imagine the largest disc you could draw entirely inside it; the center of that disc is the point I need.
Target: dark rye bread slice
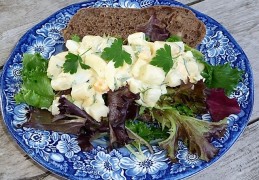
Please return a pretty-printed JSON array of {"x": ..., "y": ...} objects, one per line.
[{"x": 120, "y": 22}]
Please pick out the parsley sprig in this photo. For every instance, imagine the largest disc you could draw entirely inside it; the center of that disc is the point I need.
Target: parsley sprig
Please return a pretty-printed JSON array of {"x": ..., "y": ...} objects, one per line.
[
  {"x": 163, "y": 58},
  {"x": 72, "y": 61},
  {"x": 116, "y": 54}
]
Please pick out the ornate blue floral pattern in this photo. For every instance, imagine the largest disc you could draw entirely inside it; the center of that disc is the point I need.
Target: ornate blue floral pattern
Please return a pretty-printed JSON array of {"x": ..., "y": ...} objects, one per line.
[
  {"x": 187, "y": 159},
  {"x": 217, "y": 44},
  {"x": 129, "y": 4},
  {"x": 150, "y": 164},
  {"x": 68, "y": 146},
  {"x": 60, "y": 152},
  {"x": 52, "y": 30},
  {"x": 20, "y": 115},
  {"x": 36, "y": 139},
  {"x": 14, "y": 72},
  {"x": 107, "y": 166},
  {"x": 44, "y": 46}
]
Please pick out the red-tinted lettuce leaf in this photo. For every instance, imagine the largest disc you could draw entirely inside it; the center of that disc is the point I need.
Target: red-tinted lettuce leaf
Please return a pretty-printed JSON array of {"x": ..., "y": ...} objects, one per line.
[
  {"x": 71, "y": 120},
  {"x": 91, "y": 127},
  {"x": 220, "y": 106},
  {"x": 43, "y": 119},
  {"x": 84, "y": 141},
  {"x": 119, "y": 102},
  {"x": 67, "y": 107},
  {"x": 154, "y": 29},
  {"x": 90, "y": 132},
  {"x": 195, "y": 133},
  {"x": 188, "y": 94}
]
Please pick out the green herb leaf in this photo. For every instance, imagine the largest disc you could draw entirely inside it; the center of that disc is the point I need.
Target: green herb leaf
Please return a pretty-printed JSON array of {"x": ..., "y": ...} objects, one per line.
[
  {"x": 222, "y": 76},
  {"x": 83, "y": 66},
  {"x": 71, "y": 63},
  {"x": 76, "y": 38},
  {"x": 184, "y": 110},
  {"x": 116, "y": 54},
  {"x": 163, "y": 58}
]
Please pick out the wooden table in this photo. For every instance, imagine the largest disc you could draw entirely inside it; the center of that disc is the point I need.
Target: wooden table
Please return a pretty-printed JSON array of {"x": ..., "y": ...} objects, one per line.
[{"x": 240, "y": 17}]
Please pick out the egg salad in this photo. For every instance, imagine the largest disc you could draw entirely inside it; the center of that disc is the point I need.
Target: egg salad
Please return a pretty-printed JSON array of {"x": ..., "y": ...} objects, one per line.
[{"x": 89, "y": 85}]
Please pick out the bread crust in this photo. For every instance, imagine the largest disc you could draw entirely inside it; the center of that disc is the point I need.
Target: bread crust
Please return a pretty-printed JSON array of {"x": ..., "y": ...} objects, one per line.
[{"x": 120, "y": 22}]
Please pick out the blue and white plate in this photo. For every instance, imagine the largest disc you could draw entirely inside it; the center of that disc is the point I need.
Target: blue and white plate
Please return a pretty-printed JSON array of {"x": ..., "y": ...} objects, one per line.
[{"x": 61, "y": 154}]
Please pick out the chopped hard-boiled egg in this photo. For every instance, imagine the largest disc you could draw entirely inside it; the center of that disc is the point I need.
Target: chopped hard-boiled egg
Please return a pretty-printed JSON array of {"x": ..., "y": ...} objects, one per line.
[
  {"x": 54, "y": 107},
  {"x": 151, "y": 74},
  {"x": 72, "y": 46},
  {"x": 82, "y": 91},
  {"x": 96, "y": 63},
  {"x": 62, "y": 82},
  {"x": 185, "y": 67},
  {"x": 96, "y": 43},
  {"x": 101, "y": 86},
  {"x": 88, "y": 85},
  {"x": 135, "y": 71},
  {"x": 176, "y": 47},
  {"x": 97, "y": 111},
  {"x": 151, "y": 96},
  {"x": 55, "y": 64},
  {"x": 138, "y": 38}
]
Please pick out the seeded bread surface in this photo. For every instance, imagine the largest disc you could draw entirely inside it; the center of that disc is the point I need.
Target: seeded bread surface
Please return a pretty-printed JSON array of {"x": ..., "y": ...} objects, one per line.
[{"x": 120, "y": 22}]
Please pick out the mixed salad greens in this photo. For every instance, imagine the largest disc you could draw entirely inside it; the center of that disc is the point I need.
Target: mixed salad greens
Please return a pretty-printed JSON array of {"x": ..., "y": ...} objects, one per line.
[{"x": 175, "y": 116}]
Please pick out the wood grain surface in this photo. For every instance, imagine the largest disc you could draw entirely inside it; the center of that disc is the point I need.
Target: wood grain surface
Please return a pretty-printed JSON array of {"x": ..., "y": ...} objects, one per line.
[{"x": 241, "y": 19}]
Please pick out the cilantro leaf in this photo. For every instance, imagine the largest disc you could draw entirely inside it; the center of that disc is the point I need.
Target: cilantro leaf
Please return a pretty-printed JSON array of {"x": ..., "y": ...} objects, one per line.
[
  {"x": 222, "y": 76},
  {"x": 116, "y": 54},
  {"x": 71, "y": 63},
  {"x": 83, "y": 66},
  {"x": 76, "y": 38},
  {"x": 163, "y": 58}
]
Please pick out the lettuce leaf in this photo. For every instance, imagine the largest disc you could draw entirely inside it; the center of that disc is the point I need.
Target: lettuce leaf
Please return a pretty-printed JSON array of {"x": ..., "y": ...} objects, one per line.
[
  {"x": 220, "y": 106},
  {"x": 193, "y": 132},
  {"x": 119, "y": 102},
  {"x": 71, "y": 120},
  {"x": 188, "y": 98},
  {"x": 147, "y": 131},
  {"x": 222, "y": 76},
  {"x": 154, "y": 29},
  {"x": 43, "y": 120},
  {"x": 36, "y": 89}
]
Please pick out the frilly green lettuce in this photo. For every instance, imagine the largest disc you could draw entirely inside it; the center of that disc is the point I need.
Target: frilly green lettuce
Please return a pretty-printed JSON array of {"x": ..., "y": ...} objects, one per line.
[{"x": 36, "y": 89}]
